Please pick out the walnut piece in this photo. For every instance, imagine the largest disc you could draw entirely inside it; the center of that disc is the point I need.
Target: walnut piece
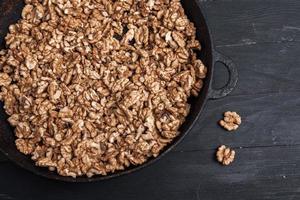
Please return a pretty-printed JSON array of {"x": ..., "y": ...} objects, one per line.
[
  {"x": 93, "y": 87},
  {"x": 225, "y": 155},
  {"x": 231, "y": 121}
]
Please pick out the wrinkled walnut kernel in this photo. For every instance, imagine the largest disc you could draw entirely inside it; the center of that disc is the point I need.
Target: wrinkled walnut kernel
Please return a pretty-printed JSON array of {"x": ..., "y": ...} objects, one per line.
[
  {"x": 231, "y": 121},
  {"x": 225, "y": 155},
  {"x": 92, "y": 87}
]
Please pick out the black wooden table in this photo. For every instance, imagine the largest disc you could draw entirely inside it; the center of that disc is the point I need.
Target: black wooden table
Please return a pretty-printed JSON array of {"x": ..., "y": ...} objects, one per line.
[{"x": 263, "y": 38}]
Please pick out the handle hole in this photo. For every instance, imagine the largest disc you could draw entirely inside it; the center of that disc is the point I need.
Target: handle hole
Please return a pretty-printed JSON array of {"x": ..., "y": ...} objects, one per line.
[{"x": 221, "y": 76}]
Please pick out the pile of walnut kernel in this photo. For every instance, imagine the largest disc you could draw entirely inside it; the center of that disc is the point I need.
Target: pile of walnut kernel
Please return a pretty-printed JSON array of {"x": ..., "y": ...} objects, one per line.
[{"x": 93, "y": 86}]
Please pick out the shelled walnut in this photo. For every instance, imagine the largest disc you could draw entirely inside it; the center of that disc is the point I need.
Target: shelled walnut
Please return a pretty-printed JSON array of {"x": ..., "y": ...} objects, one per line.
[
  {"x": 231, "y": 121},
  {"x": 225, "y": 155},
  {"x": 92, "y": 87}
]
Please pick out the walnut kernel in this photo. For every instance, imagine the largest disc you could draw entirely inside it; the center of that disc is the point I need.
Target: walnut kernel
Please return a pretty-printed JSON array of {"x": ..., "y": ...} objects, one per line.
[
  {"x": 231, "y": 121},
  {"x": 225, "y": 155}
]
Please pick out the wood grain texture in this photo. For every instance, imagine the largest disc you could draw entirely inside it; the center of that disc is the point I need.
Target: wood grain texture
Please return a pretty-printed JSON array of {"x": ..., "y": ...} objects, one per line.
[
  {"x": 267, "y": 120},
  {"x": 263, "y": 39}
]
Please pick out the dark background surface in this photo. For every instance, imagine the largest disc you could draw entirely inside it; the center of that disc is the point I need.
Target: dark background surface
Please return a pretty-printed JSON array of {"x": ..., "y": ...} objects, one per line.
[{"x": 263, "y": 39}]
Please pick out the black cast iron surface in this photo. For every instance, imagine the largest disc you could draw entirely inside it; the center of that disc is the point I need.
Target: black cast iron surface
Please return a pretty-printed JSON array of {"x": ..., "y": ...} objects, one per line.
[
  {"x": 207, "y": 54},
  {"x": 263, "y": 38}
]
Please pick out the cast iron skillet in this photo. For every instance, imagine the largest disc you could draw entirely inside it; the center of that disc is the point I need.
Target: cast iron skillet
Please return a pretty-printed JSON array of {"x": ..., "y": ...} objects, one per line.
[{"x": 10, "y": 12}]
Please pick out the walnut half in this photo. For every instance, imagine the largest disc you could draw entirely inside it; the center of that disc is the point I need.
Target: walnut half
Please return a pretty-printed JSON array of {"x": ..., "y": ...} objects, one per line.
[
  {"x": 225, "y": 155},
  {"x": 231, "y": 121}
]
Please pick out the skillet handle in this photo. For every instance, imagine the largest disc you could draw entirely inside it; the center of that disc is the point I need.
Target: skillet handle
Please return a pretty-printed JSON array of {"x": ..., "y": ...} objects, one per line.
[{"x": 233, "y": 77}]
